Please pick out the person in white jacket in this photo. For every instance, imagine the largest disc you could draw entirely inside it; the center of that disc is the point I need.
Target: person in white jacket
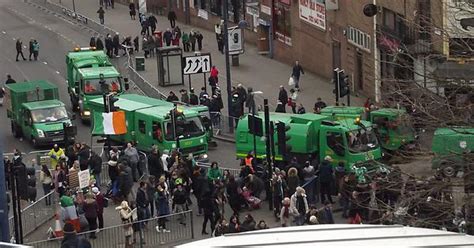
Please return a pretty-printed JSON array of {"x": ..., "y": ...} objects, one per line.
[
  {"x": 299, "y": 206},
  {"x": 126, "y": 214}
]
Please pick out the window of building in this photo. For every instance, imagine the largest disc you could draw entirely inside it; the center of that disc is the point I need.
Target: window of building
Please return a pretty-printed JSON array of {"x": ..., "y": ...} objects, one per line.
[
  {"x": 358, "y": 38},
  {"x": 389, "y": 19},
  {"x": 142, "y": 126},
  {"x": 282, "y": 22},
  {"x": 216, "y": 7}
]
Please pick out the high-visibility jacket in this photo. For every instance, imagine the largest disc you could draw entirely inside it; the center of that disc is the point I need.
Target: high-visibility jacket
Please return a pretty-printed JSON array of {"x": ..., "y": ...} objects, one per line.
[{"x": 55, "y": 156}]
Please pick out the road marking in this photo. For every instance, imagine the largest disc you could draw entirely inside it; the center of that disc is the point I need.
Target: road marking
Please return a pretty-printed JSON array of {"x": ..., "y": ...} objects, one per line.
[
  {"x": 44, "y": 62},
  {"x": 57, "y": 72}
]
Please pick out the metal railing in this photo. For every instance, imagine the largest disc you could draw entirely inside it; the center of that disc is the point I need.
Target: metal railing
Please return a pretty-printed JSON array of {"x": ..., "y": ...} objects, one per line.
[
  {"x": 233, "y": 171},
  {"x": 114, "y": 236},
  {"x": 36, "y": 214}
]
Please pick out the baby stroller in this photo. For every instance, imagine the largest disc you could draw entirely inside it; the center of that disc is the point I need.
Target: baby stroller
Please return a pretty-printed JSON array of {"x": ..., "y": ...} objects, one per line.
[{"x": 251, "y": 201}]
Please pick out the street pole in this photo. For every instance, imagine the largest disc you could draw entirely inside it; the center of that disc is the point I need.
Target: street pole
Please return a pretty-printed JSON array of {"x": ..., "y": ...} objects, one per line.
[
  {"x": 268, "y": 150},
  {"x": 338, "y": 89},
  {"x": 14, "y": 207},
  {"x": 4, "y": 232},
  {"x": 227, "y": 66},
  {"x": 187, "y": 17},
  {"x": 74, "y": 6}
]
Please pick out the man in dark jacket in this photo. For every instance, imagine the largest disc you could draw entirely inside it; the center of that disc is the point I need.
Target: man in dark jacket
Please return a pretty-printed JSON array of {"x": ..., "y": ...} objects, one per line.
[
  {"x": 296, "y": 73},
  {"x": 326, "y": 179},
  {"x": 83, "y": 156},
  {"x": 109, "y": 46},
  {"x": 98, "y": 44},
  {"x": 71, "y": 240},
  {"x": 95, "y": 165},
  {"x": 152, "y": 23},
  {"x": 10, "y": 80},
  {"x": 143, "y": 202},
  {"x": 167, "y": 36},
  {"x": 125, "y": 181},
  {"x": 283, "y": 96},
  {"x": 154, "y": 163},
  {"x": 31, "y": 48},
  {"x": 116, "y": 44},
  {"x": 193, "y": 98},
  {"x": 172, "y": 18},
  {"x": 172, "y": 97},
  {"x": 101, "y": 13},
  {"x": 208, "y": 204},
  {"x": 19, "y": 49}
]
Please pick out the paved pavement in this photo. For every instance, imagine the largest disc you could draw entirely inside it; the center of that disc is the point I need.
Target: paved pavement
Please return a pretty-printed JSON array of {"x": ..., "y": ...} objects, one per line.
[{"x": 257, "y": 71}]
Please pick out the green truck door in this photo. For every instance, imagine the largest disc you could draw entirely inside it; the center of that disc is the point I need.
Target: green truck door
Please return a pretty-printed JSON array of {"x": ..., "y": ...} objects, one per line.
[
  {"x": 26, "y": 123},
  {"x": 333, "y": 145},
  {"x": 143, "y": 133}
]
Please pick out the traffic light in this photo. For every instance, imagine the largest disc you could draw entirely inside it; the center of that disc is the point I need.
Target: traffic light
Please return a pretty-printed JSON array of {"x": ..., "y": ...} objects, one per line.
[
  {"x": 283, "y": 138},
  {"x": 343, "y": 84},
  {"x": 258, "y": 125}
]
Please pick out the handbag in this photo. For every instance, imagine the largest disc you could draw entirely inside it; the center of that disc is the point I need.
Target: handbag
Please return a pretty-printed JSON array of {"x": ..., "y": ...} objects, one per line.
[{"x": 291, "y": 81}]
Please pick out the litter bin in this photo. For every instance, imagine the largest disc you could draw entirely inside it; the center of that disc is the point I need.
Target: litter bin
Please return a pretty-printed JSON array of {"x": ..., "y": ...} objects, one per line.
[{"x": 140, "y": 63}]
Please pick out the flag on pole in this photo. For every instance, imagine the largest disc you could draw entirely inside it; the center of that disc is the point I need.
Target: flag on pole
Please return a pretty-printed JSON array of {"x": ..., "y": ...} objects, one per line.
[{"x": 109, "y": 123}]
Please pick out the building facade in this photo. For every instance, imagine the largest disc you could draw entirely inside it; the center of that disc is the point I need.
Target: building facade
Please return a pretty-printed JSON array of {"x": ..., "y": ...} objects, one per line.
[{"x": 404, "y": 41}]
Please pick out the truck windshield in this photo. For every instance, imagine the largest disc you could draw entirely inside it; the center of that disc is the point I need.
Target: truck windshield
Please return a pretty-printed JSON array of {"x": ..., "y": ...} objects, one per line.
[
  {"x": 189, "y": 127},
  {"x": 49, "y": 114},
  {"x": 96, "y": 87},
  {"x": 361, "y": 140}
]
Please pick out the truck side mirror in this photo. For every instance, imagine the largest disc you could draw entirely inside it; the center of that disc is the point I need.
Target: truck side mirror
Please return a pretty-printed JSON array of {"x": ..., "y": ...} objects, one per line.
[{"x": 127, "y": 84}]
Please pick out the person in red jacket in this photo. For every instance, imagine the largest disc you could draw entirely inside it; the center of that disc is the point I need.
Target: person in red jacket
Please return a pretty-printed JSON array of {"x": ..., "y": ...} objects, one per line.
[
  {"x": 213, "y": 79},
  {"x": 100, "y": 199}
]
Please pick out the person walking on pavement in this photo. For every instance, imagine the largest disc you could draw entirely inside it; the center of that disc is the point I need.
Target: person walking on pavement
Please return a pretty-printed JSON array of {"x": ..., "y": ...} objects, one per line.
[
  {"x": 192, "y": 40},
  {"x": 218, "y": 31},
  {"x": 184, "y": 96},
  {"x": 199, "y": 38},
  {"x": 136, "y": 44},
  {"x": 116, "y": 44},
  {"x": 179, "y": 202},
  {"x": 172, "y": 18},
  {"x": 283, "y": 97},
  {"x": 163, "y": 207},
  {"x": 10, "y": 80},
  {"x": 95, "y": 166},
  {"x": 19, "y": 49},
  {"x": 185, "y": 40},
  {"x": 296, "y": 73},
  {"x": 167, "y": 36},
  {"x": 55, "y": 154},
  {"x": 109, "y": 45},
  {"x": 292, "y": 100},
  {"x": 172, "y": 97},
  {"x": 152, "y": 21},
  {"x": 31, "y": 48},
  {"x": 36, "y": 47},
  {"x": 99, "y": 45},
  {"x": 133, "y": 11},
  {"x": 209, "y": 207},
  {"x": 101, "y": 13}
]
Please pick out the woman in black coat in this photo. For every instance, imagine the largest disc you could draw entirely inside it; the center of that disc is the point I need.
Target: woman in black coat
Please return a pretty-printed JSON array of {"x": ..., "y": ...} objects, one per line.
[{"x": 234, "y": 196}]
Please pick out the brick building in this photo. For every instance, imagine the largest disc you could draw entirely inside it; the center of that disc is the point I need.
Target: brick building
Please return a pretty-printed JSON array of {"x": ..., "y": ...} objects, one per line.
[{"x": 403, "y": 41}]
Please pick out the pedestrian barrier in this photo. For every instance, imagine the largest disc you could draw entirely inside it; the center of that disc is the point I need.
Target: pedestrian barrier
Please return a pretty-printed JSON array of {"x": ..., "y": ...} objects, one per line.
[
  {"x": 311, "y": 188},
  {"x": 233, "y": 171},
  {"x": 36, "y": 214},
  {"x": 148, "y": 236},
  {"x": 220, "y": 124}
]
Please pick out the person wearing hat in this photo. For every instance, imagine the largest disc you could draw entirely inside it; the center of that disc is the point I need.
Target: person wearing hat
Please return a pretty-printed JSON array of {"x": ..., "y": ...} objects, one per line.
[
  {"x": 100, "y": 199},
  {"x": 126, "y": 213},
  {"x": 326, "y": 179},
  {"x": 90, "y": 208},
  {"x": 72, "y": 240},
  {"x": 193, "y": 98}
]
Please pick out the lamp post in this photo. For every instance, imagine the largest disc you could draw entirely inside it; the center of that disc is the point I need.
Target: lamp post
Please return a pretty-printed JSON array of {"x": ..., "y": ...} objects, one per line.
[
  {"x": 4, "y": 233},
  {"x": 227, "y": 65},
  {"x": 74, "y": 6}
]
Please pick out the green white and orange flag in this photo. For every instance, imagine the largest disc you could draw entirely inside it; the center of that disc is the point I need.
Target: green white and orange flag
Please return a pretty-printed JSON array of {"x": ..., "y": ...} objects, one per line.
[{"x": 109, "y": 123}]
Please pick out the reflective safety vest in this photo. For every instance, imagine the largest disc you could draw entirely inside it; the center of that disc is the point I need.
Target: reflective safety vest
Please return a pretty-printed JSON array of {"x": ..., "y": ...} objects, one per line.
[{"x": 248, "y": 161}]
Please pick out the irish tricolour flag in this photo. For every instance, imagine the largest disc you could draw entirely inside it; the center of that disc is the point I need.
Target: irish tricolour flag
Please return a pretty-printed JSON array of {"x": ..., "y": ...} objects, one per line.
[{"x": 109, "y": 123}]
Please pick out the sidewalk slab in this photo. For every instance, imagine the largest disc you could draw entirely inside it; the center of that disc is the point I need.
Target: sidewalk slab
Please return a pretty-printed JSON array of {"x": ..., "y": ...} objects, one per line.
[{"x": 256, "y": 71}]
